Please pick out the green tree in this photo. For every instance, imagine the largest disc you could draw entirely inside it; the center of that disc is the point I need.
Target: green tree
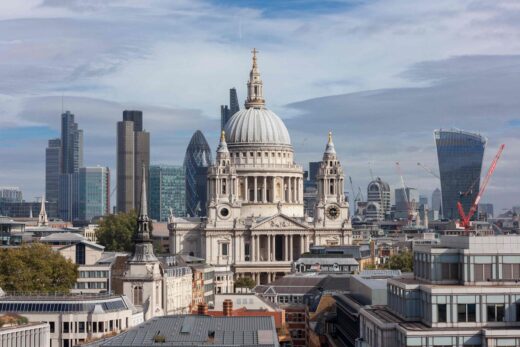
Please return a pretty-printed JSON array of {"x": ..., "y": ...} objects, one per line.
[
  {"x": 36, "y": 268},
  {"x": 245, "y": 282},
  {"x": 116, "y": 232},
  {"x": 402, "y": 261}
]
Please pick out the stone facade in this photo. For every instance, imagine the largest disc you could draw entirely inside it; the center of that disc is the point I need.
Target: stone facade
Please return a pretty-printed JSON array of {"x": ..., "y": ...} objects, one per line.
[{"x": 256, "y": 222}]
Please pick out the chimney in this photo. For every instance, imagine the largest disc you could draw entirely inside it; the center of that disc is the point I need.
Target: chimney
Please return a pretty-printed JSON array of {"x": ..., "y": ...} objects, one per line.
[
  {"x": 202, "y": 309},
  {"x": 227, "y": 308}
]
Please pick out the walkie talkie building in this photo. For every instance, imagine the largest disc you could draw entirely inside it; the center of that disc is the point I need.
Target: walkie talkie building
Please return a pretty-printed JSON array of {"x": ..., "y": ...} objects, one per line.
[{"x": 460, "y": 155}]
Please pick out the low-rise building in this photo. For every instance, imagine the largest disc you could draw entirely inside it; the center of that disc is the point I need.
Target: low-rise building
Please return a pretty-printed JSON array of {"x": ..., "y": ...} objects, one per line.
[
  {"x": 463, "y": 292},
  {"x": 25, "y": 335},
  {"x": 74, "y": 319},
  {"x": 94, "y": 275},
  {"x": 177, "y": 287}
]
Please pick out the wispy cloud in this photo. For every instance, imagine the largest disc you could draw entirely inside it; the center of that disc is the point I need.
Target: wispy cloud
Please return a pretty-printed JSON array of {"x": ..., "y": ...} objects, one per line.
[{"x": 381, "y": 74}]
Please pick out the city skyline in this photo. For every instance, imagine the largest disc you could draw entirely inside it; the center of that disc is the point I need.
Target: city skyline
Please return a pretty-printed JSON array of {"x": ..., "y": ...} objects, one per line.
[{"x": 443, "y": 85}]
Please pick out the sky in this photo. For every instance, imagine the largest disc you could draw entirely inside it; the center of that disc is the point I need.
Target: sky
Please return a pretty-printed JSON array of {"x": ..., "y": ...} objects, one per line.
[{"x": 380, "y": 74}]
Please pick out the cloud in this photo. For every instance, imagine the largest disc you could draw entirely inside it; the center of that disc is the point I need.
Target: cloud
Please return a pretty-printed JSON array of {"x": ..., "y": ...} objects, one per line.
[{"x": 382, "y": 74}]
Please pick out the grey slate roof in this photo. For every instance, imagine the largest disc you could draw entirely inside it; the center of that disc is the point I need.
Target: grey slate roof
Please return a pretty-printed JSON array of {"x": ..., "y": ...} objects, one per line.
[{"x": 198, "y": 330}]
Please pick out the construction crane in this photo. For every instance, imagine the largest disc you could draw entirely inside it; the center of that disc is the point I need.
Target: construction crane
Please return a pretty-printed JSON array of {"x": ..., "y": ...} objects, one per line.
[
  {"x": 410, "y": 205},
  {"x": 428, "y": 170},
  {"x": 465, "y": 218}
]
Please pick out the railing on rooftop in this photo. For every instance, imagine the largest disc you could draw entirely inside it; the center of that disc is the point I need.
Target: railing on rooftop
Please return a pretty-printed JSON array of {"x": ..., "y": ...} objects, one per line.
[{"x": 56, "y": 296}]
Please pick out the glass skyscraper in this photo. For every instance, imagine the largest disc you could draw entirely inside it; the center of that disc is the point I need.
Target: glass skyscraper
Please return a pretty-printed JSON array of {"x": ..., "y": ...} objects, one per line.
[
  {"x": 94, "y": 192},
  {"x": 196, "y": 163},
  {"x": 167, "y": 191},
  {"x": 460, "y": 155}
]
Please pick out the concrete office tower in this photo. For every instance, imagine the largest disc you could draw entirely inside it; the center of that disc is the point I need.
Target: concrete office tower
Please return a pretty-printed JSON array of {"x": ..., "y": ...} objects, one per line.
[
  {"x": 460, "y": 155},
  {"x": 133, "y": 149},
  {"x": 10, "y": 194},
  {"x": 52, "y": 172},
  {"x": 94, "y": 192},
  {"x": 227, "y": 112},
  {"x": 71, "y": 161},
  {"x": 196, "y": 163},
  {"x": 436, "y": 200},
  {"x": 167, "y": 191},
  {"x": 378, "y": 200}
]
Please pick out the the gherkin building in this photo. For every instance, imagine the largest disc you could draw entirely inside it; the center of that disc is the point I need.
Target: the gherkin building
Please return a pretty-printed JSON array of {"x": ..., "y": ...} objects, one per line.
[{"x": 196, "y": 163}]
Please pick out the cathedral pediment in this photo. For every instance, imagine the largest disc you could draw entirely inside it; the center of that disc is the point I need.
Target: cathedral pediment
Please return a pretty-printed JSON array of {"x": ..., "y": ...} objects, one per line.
[{"x": 279, "y": 221}]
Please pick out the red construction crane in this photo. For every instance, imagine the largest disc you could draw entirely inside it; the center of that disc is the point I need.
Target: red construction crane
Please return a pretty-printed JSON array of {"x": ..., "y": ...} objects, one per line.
[{"x": 464, "y": 219}]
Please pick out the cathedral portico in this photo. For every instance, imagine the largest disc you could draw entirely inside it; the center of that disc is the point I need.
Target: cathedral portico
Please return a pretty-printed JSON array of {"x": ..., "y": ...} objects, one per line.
[{"x": 256, "y": 221}]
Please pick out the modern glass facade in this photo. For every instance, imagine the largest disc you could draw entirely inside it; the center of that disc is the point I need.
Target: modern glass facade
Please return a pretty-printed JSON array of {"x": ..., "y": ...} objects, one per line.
[
  {"x": 196, "y": 163},
  {"x": 460, "y": 155},
  {"x": 167, "y": 191},
  {"x": 93, "y": 192}
]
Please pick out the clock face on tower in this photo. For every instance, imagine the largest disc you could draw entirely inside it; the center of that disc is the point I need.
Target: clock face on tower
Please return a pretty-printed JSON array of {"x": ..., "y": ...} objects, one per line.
[{"x": 332, "y": 212}]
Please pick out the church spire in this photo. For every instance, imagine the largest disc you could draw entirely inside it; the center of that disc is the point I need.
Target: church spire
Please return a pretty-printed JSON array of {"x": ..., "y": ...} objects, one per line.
[
  {"x": 42, "y": 217},
  {"x": 255, "y": 94},
  {"x": 143, "y": 251},
  {"x": 143, "y": 222}
]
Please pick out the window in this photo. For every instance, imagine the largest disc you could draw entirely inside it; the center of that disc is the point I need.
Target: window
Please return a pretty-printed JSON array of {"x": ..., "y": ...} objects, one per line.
[
  {"x": 495, "y": 313},
  {"x": 80, "y": 253},
  {"x": 441, "y": 313},
  {"x": 482, "y": 272},
  {"x": 466, "y": 312},
  {"x": 225, "y": 247}
]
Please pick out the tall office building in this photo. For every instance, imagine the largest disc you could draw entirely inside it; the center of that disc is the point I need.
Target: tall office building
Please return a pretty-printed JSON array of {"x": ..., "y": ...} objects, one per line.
[
  {"x": 52, "y": 172},
  {"x": 196, "y": 163},
  {"x": 94, "y": 192},
  {"x": 167, "y": 191},
  {"x": 10, "y": 194},
  {"x": 71, "y": 144},
  {"x": 402, "y": 201},
  {"x": 226, "y": 112},
  {"x": 378, "y": 200},
  {"x": 71, "y": 161},
  {"x": 436, "y": 200},
  {"x": 133, "y": 149},
  {"x": 460, "y": 155}
]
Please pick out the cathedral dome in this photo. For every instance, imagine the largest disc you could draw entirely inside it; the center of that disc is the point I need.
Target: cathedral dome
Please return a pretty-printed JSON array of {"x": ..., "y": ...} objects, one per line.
[{"x": 258, "y": 126}]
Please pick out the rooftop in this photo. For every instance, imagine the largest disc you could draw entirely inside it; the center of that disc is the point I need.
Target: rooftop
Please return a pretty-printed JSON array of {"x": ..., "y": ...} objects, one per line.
[{"x": 199, "y": 330}]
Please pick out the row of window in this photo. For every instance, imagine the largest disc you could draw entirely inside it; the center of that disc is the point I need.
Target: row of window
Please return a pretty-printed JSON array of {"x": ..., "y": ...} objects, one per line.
[
  {"x": 90, "y": 285},
  {"x": 467, "y": 313},
  {"x": 259, "y": 154},
  {"x": 290, "y": 299},
  {"x": 59, "y": 307},
  {"x": 93, "y": 274}
]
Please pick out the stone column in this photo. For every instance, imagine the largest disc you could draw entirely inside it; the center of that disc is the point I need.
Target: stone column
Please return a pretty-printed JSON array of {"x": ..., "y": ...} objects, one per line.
[
  {"x": 286, "y": 247},
  {"x": 291, "y": 248},
  {"x": 272, "y": 189},
  {"x": 256, "y": 190},
  {"x": 268, "y": 247},
  {"x": 246, "y": 188},
  {"x": 289, "y": 189},
  {"x": 264, "y": 190}
]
